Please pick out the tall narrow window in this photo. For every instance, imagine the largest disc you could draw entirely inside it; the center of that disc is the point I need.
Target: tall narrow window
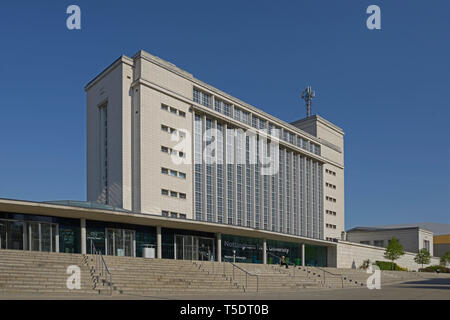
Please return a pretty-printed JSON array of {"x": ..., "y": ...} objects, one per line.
[{"x": 103, "y": 147}]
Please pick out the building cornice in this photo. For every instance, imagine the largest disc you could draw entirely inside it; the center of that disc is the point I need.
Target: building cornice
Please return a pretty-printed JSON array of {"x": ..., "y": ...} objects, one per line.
[
  {"x": 204, "y": 109},
  {"x": 108, "y": 69}
]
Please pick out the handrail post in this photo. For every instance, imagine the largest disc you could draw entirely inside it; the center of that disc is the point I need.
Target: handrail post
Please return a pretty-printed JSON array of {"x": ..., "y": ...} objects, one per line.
[
  {"x": 246, "y": 281},
  {"x": 233, "y": 272}
]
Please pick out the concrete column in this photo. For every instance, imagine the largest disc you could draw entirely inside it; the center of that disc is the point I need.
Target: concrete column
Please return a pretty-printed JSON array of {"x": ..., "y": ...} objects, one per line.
[
  {"x": 57, "y": 239},
  {"x": 303, "y": 254},
  {"x": 158, "y": 242},
  {"x": 264, "y": 251},
  {"x": 83, "y": 235},
  {"x": 219, "y": 247}
]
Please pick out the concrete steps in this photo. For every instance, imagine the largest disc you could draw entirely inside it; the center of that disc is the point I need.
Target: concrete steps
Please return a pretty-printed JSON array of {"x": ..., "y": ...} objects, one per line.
[{"x": 41, "y": 272}]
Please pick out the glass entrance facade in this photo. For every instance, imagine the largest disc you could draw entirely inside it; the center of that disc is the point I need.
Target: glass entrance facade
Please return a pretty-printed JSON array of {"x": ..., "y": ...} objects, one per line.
[
  {"x": 52, "y": 234},
  {"x": 24, "y": 235},
  {"x": 188, "y": 247},
  {"x": 120, "y": 242}
]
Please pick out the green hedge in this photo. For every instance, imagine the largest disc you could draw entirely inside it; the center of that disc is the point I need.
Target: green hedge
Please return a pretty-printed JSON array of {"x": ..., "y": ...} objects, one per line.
[
  {"x": 387, "y": 265},
  {"x": 434, "y": 268}
]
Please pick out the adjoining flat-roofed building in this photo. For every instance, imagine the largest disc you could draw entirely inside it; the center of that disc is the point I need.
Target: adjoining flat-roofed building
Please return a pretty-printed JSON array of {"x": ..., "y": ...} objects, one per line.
[
  {"x": 441, "y": 244},
  {"x": 412, "y": 237}
]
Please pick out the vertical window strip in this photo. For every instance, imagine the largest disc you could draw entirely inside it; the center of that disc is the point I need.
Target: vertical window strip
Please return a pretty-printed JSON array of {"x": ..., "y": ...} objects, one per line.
[
  {"x": 198, "y": 174},
  {"x": 220, "y": 169},
  {"x": 209, "y": 174}
]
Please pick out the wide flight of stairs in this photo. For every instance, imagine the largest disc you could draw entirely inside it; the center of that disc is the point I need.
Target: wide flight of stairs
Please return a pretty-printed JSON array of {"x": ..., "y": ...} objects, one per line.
[
  {"x": 41, "y": 272},
  {"x": 31, "y": 272}
]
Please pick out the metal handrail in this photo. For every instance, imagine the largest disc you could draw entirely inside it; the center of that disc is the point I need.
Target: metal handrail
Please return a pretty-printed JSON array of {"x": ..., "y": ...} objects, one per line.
[
  {"x": 246, "y": 276},
  {"x": 333, "y": 274},
  {"x": 101, "y": 266}
]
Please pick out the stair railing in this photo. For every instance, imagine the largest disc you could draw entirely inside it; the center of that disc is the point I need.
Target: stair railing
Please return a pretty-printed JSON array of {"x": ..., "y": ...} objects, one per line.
[
  {"x": 247, "y": 275},
  {"x": 101, "y": 267},
  {"x": 330, "y": 274}
]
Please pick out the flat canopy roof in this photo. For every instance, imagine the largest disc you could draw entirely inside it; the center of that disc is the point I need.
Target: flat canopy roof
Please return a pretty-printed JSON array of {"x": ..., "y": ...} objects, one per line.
[{"x": 66, "y": 210}]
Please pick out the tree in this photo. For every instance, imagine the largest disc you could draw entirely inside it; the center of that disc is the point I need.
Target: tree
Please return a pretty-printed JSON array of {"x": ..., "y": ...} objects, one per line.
[
  {"x": 445, "y": 259},
  {"x": 393, "y": 251},
  {"x": 423, "y": 257}
]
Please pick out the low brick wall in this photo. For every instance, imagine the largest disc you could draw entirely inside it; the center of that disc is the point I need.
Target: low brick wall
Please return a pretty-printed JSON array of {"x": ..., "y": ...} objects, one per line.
[{"x": 352, "y": 255}]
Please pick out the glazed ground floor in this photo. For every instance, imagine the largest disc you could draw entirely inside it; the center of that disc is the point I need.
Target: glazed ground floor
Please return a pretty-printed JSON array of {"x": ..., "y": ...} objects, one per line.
[{"x": 39, "y": 232}]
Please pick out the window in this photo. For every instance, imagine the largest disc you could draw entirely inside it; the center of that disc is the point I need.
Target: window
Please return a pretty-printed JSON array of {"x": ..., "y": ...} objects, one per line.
[
  {"x": 173, "y": 214},
  {"x": 202, "y": 98},
  {"x": 173, "y": 110},
  {"x": 365, "y": 242},
  {"x": 172, "y": 130},
  {"x": 164, "y": 107},
  {"x": 181, "y": 154},
  {"x": 164, "y": 149},
  {"x": 182, "y": 216},
  {"x": 173, "y": 173},
  {"x": 426, "y": 245},
  {"x": 378, "y": 243},
  {"x": 182, "y": 195},
  {"x": 174, "y": 194},
  {"x": 164, "y": 170},
  {"x": 182, "y": 114},
  {"x": 164, "y": 192},
  {"x": 182, "y": 175},
  {"x": 165, "y": 213},
  {"x": 164, "y": 128}
]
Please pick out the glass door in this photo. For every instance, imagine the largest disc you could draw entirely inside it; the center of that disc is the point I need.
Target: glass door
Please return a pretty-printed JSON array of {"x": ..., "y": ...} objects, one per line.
[
  {"x": 179, "y": 247},
  {"x": 206, "y": 249},
  {"x": 2, "y": 234},
  {"x": 120, "y": 242},
  {"x": 194, "y": 248}
]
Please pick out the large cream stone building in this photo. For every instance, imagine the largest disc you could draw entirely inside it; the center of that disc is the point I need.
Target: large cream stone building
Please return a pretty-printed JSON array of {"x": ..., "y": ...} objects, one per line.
[{"x": 143, "y": 113}]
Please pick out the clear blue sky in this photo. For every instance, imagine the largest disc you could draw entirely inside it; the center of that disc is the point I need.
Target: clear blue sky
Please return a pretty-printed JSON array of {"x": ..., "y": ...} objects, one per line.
[{"x": 388, "y": 89}]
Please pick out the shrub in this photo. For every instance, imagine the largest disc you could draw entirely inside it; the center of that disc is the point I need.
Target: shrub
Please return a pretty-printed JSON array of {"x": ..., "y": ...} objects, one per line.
[
  {"x": 386, "y": 265},
  {"x": 434, "y": 268},
  {"x": 445, "y": 259}
]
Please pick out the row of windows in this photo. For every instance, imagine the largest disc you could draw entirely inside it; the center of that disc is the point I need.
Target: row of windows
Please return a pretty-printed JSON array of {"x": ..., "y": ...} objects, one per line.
[
  {"x": 331, "y": 226},
  {"x": 243, "y": 116},
  {"x": 173, "y": 173},
  {"x": 307, "y": 145},
  {"x": 171, "y": 130},
  {"x": 330, "y": 172},
  {"x": 202, "y": 98},
  {"x": 171, "y": 214},
  {"x": 330, "y": 199},
  {"x": 173, "y": 110},
  {"x": 333, "y": 213},
  {"x": 173, "y": 194},
  {"x": 288, "y": 201},
  {"x": 173, "y": 151},
  {"x": 329, "y": 185},
  {"x": 377, "y": 243}
]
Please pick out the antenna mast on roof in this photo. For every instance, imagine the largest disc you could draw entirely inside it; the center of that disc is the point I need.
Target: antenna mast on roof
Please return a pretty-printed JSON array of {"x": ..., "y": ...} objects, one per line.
[{"x": 308, "y": 95}]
